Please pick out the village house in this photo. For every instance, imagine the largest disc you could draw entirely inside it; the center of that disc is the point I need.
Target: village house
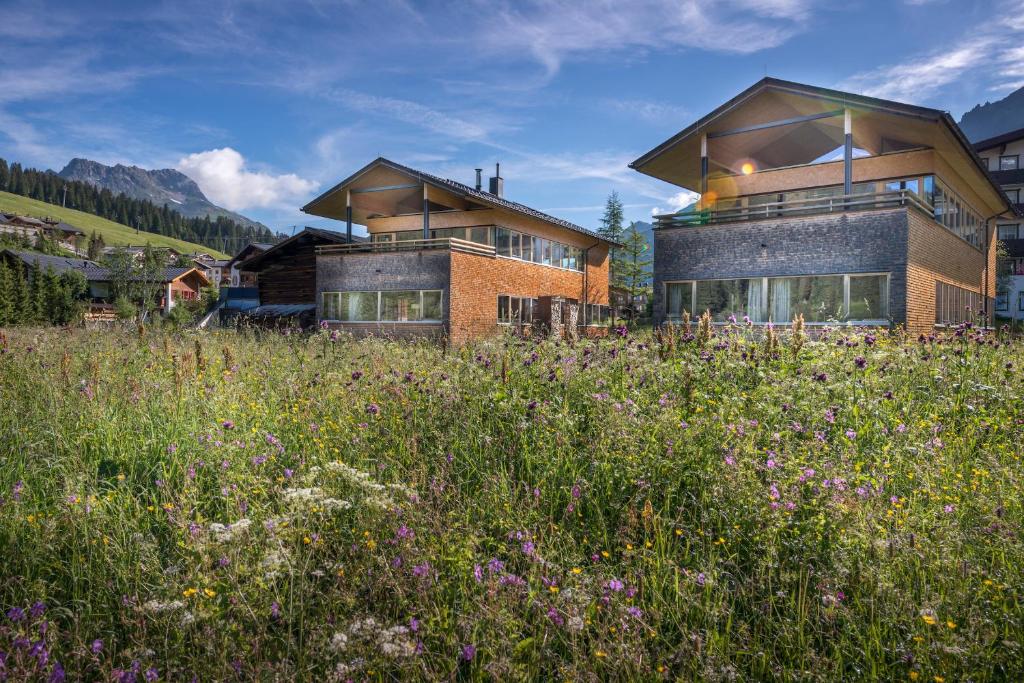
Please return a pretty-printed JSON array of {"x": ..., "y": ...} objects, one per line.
[
  {"x": 1003, "y": 156},
  {"x": 448, "y": 259},
  {"x": 236, "y": 275},
  {"x": 32, "y": 229},
  {"x": 841, "y": 208},
  {"x": 173, "y": 284}
]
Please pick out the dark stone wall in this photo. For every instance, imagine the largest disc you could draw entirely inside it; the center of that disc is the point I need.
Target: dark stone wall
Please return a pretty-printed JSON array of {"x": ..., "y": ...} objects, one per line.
[
  {"x": 855, "y": 242},
  {"x": 429, "y": 269}
]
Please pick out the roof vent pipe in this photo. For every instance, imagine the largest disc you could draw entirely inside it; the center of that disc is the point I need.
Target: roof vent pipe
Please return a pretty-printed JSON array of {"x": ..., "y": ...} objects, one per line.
[
  {"x": 497, "y": 182},
  {"x": 479, "y": 179}
]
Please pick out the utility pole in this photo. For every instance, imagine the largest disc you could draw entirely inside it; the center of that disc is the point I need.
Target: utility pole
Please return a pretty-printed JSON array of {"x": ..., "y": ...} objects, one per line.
[{"x": 64, "y": 202}]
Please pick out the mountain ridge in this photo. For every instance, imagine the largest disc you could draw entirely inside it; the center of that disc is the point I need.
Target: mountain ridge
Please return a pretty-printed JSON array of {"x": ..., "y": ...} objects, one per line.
[
  {"x": 160, "y": 186},
  {"x": 994, "y": 118}
]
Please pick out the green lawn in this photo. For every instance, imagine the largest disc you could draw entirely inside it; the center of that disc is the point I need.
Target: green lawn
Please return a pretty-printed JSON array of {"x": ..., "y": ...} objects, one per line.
[{"x": 113, "y": 233}]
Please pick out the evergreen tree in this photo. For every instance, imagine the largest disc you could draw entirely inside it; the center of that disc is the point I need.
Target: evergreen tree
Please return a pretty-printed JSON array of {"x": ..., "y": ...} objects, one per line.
[
  {"x": 611, "y": 229},
  {"x": 36, "y": 294},
  {"x": 5, "y": 175},
  {"x": 20, "y": 295},
  {"x": 69, "y": 304},
  {"x": 49, "y": 296},
  {"x": 6, "y": 294},
  {"x": 635, "y": 263}
]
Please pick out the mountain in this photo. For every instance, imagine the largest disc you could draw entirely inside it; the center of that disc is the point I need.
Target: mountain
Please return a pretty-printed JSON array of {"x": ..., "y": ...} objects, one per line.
[
  {"x": 163, "y": 186},
  {"x": 994, "y": 118}
]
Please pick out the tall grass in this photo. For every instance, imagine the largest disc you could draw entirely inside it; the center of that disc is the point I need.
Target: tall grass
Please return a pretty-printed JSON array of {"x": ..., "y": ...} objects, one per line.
[{"x": 225, "y": 506}]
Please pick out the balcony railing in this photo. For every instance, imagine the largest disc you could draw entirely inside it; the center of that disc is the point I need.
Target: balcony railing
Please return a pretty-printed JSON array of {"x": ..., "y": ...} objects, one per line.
[
  {"x": 796, "y": 207},
  {"x": 439, "y": 243}
]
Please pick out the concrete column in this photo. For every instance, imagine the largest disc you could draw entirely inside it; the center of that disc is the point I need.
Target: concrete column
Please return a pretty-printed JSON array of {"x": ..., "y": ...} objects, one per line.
[
  {"x": 703, "y": 168},
  {"x": 847, "y": 153},
  {"x": 426, "y": 214},
  {"x": 348, "y": 216}
]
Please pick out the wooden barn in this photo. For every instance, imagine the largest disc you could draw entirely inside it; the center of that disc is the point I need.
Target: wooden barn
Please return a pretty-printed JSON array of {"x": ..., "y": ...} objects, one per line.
[{"x": 286, "y": 276}]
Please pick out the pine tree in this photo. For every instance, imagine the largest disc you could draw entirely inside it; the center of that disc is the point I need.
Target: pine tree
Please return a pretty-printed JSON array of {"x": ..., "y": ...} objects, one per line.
[
  {"x": 49, "y": 296},
  {"x": 36, "y": 294},
  {"x": 635, "y": 263},
  {"x": 611, "y": 229},
  {"x": 22, "y": 298},
  {"x": 6, "y": 295}
]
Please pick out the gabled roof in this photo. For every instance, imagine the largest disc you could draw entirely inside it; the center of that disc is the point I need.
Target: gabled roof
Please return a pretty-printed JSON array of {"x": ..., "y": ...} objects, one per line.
[
  {"x": 248, "y": 251},
  {"x": 461, "y": 190},
  {"x": 839, "y": 99},
  {"x": 58, "y": 264},
  {"x": 316, "y": 234},
  {"x": 998, "y": 140}
]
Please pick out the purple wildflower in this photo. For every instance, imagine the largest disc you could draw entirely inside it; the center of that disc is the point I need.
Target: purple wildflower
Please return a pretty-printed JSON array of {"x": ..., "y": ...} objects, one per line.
[
  {"x": 96, "y": 647},
  {"x": 373, "y": 409},
  {"x": 468, "y": 652}
]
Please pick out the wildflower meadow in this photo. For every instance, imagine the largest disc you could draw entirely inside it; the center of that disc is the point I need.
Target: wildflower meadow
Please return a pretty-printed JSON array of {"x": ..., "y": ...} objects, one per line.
[{"x": 710, "y": 505}]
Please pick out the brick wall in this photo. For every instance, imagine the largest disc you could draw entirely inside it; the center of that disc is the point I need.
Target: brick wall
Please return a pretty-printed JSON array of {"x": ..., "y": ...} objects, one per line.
[
  {"x": 936, "y": 254},
  {"x": 855, "y": 242},
  {"x": 476, "y": 282}
]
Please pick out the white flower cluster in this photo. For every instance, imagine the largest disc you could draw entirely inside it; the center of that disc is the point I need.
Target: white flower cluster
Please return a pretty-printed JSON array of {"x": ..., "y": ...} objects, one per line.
[
  {"x": 275, "y": 562},
  {"x": 392, "y": 641},
  {"x": 314, "y": 497},
  {"x": 377, "y": 494},
  {"x": 224, "y": 533},
  {"x": 157, "y": 607}
]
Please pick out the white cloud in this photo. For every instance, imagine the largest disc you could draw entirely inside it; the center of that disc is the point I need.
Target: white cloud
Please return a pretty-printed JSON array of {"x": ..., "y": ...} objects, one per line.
[
  {"x": 651, "y": 111},
  {"x": 222, "y": 176},
  {"x": 554, "y": 30},
  {"x": 918, "y": 80},
  {"x": 676, "y": 202},
  {"x": 993, "y": 52}
]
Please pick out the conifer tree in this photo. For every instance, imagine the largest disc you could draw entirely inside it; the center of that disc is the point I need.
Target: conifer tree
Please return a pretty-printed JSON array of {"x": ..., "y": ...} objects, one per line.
[
  {"x": 611, "y": 229},
  {"x": 6, "y": 295},
  {"x": 635, "y": 263}
]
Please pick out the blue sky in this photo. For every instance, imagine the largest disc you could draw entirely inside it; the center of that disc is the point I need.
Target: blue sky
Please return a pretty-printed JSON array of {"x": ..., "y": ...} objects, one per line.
[{"x": 265, "y": 104}]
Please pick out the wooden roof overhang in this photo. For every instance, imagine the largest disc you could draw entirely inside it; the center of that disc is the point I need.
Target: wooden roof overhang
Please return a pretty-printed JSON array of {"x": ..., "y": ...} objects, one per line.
[
  {"x": 378, "y": 190},
  {"x": 778, "y": 124}
]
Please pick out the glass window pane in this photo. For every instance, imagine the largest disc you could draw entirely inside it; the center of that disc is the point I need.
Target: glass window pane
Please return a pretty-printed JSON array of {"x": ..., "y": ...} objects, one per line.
[
  {"x": 538, "y": 250},
  {"x": 818, "y": 299},
  {"x": 679, "y": 298},
  {"x": 515, "y": 251},
  {"x": 728, "y": 297},
  {"x": 480, "y": 235},
  {"x": 330, "y": 305},
  {"x": 399, "y": 306},
  {"x": 503, "y": 308},
  {"x": 869, "y": 297},
  {"x": 526, "y": 247},
  {"x": 502, "y": 238},
  {"x": 432, "y": 305},
  {"x": 547, "y": 253},
  {"x": 358, "y": 306},
  {"x": 1008, "y": 163}
]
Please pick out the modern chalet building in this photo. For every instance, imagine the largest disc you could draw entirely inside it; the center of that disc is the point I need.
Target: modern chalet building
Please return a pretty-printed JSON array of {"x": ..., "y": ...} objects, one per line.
[
  {"x": 448, "y": 259},
  {"x": 1003, "y": 155},
  {"x": 843, "y": 208}
]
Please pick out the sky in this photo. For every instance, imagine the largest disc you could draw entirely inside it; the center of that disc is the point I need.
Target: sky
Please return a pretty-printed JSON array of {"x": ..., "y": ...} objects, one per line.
[{"x": 265, "y": 104}]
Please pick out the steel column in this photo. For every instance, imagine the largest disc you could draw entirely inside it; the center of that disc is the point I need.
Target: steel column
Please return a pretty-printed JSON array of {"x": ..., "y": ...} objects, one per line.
[
  {"x": 848, "y": 153},
  {"x": 426, "y": 214},
  {"x": 348, "y": 217}
]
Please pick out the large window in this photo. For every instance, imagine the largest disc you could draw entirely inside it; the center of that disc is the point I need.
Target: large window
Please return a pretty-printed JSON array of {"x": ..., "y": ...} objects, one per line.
[
  {"x": 481, "y": 234},
  {"x": 818, "y": 298},
  {"x": 1002, "y": 302},
  {"x": 954, "y": 213},
  {"x": 597, "y": 314},
  {"x": 1008, "y": 232},
  {"x": 1009, "y": 162},
  {"x": 954, "y": 305},
  {"x": 383, "y": 306},
  {"x": 525, "y": 247},
  {"x": 516, "y": 310}
]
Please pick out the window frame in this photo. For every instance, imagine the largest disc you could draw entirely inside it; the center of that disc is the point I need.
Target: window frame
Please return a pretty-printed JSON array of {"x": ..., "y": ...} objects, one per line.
[
  {"x": 379, "y": 292},
  {"x": 765, "y": 297},
  {"x": 1016, "y": 162},
  {"x": 525, "y": 306}
]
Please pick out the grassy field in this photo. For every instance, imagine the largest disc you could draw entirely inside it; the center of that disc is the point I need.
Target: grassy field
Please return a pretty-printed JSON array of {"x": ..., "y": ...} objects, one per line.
[
  {"x": 113, "y": 234},
  {"x": 232, "y": 507}
]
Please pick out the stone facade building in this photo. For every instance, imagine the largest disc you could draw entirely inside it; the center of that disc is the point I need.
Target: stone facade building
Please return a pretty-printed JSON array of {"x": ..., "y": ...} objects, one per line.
[
  {"x": 447, "y": 259},
  {"x": 841, "y": 208}
]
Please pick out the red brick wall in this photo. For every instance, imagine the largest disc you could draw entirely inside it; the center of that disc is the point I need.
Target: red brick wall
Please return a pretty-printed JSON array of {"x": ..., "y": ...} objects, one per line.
[
  {"x": 476, "y": 282},
  {"x": 936, "y": 254}
]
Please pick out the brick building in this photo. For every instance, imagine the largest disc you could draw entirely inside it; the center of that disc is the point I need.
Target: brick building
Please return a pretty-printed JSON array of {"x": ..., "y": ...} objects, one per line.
[
  {"x": 1002, "y": 155},
  {"x": 449, "y": 259},
  {"x": 841, "y": 208}
]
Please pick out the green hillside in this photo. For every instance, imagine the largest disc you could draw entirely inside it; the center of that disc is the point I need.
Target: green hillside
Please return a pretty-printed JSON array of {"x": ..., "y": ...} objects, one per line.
[{"x": 112, "y": 233}]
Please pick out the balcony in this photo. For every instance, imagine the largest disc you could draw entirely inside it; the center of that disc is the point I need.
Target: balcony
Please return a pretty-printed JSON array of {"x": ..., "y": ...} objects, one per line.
[
  {"x": 404, "y": 246},
  {"x": 796, "y": 207}
]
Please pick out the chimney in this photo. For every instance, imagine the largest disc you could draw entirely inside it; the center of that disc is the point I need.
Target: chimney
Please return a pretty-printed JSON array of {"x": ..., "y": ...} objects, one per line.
[
  {"x": 497, "y": 182},
  {"x": 479, "y": 179}
]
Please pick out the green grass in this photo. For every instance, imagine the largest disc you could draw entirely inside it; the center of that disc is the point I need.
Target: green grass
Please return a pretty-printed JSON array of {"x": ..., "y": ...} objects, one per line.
[
  {"x": 113, "y": 234},
  {"x": 245, "y": 507}
]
